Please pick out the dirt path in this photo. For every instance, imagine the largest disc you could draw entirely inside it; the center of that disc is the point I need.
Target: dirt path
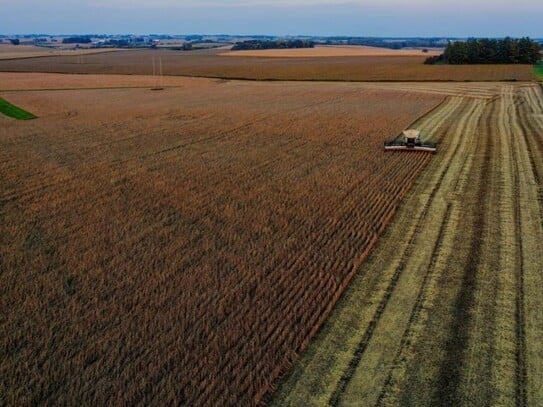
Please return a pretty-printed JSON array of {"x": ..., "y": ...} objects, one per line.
[{"x": 447, "y": 309}]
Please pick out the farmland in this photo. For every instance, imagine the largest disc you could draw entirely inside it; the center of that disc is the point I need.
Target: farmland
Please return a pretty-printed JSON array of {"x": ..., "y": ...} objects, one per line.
[
  {"x": 17, "y": 82},
  {"x": 211, "y": 242},
  {"x": 8, "y": 52},
  {"x": 330, "y": 51},
  {"x": 181, "y": 246},
  {"x": 210, "y": 63},
  {"x": 447, "y": 310}
]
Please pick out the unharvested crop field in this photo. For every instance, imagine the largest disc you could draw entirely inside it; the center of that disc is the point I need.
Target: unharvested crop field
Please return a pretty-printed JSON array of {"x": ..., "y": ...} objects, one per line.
[
  {"x": 447, "y": 310},
  {"x": 183, "y": 246},
  {"x": 17, "y": 82},
  {"x": 209, "y": 63},
  {"x": 331, "y": 51},
  {"x": 29, "y": 51}
]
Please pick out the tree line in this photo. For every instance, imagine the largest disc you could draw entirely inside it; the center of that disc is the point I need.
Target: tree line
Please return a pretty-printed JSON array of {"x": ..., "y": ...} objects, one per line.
[
  {"x": 77, "y": 40},
  {"x": 272, "y": 44},
  {"x": 489, "y": 51},
  {"x": 390, "y": 43}
]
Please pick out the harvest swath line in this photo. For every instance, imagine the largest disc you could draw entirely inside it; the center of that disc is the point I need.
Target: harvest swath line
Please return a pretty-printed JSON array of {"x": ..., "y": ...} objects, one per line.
[
  {"x": 529, "y": 128},
  {"x": 531, "y": 143},
  {"x": 423, "y": 291},
  {"x": 453, "y": 362},
  {"x": 357, "y": 356},
  {"x": 521, "y": 372},
  {"x": 462, "y": 127},
  {"x": 421, "y": 298}
]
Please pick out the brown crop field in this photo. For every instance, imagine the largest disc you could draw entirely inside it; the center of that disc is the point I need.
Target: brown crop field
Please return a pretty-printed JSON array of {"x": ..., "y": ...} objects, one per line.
[
  {"x": 30, "y": 51},
  {"x": 217, "y": 240},
  {"x": 447, "y": 309},
  {"x": 183, "y": 246},
  {"x": 331, "y": 51},
  {"x": 209, "y": 63},
  {"x": 18, "y": 82}
]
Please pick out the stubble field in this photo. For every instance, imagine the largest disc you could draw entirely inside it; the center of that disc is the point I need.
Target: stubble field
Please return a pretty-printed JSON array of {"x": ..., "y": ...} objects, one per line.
[{"x": 183, "y": 246}]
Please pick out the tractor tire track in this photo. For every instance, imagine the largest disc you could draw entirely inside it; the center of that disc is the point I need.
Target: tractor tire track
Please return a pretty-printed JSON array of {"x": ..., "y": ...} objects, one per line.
[
  {"x": 421, "y": 298},
  {"x": 529, "y": 149},
  {"x": 521, "y": 372},
  {"x": 449, "y": 377},
  {"x": 360, "y": 349},
  {"x": 408, "y": 338}
]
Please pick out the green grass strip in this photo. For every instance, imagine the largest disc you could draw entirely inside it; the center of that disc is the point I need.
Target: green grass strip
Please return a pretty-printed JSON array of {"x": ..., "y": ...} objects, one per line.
[
  {"x": 538, "y": 70},
  {"x": 13, "y": 111}
]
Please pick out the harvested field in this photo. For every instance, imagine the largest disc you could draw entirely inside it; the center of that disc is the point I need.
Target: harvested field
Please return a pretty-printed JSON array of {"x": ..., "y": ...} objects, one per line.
[
  {"x": 331, "y": 51},
  {"x": 181, "y": 247},
  {"x": 29, "y": 51},
  {"x": 447, "y": 310},
  {"x": 209, "y": 63}
]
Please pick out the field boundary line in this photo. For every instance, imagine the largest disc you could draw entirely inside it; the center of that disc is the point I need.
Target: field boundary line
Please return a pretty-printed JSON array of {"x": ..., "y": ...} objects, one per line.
[
  {"x": 429, "y": 112},
  {"x": 357, "y": 355},
  {"x": 248, "y": 79},
  {"x": 450, "y": 368},
  {"x": 422, "y": 297}
]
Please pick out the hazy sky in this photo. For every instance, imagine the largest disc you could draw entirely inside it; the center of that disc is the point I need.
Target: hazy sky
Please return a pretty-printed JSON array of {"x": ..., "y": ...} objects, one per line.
[{"x": 279, "y": 17}]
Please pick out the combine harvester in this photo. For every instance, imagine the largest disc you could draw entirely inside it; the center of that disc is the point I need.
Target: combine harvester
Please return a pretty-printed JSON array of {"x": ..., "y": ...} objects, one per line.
[{"x": 411, "y": 142}]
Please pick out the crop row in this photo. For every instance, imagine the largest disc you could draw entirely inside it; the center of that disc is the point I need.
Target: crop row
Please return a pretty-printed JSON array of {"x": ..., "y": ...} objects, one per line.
[{"x": 188, "y": 260}]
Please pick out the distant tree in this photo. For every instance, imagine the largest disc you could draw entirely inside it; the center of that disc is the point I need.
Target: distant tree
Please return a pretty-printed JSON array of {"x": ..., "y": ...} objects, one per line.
[
  {"x": 529, "y": 51},
  {"x": 15, "y": 41},
  {"x": 76, "y": 40},
  {"x": 456, "y": 52},
  {"x": 434, "y": 59},
  {"x": 194, "y": 38},
  {"x": 117, "y": 43},
  {"x": 272, "y": 44},
  {"x": 491, "y": 51}
]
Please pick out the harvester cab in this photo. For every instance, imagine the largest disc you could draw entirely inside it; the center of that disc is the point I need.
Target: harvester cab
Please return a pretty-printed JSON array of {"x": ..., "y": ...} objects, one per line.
[{"x": 412, "y": 138}]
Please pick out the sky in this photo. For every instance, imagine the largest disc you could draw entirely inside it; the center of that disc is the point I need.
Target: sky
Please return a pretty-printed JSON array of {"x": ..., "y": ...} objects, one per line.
[{"x": 384, "y": 18}]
